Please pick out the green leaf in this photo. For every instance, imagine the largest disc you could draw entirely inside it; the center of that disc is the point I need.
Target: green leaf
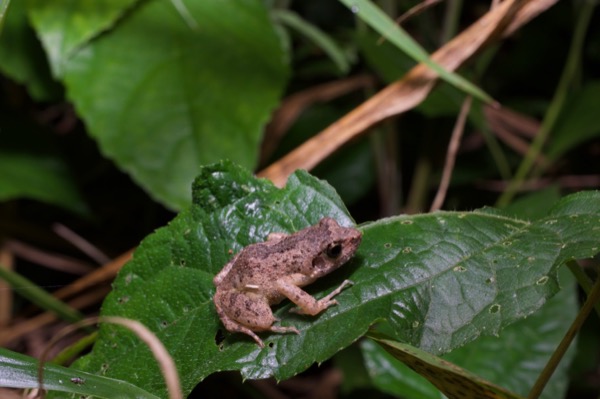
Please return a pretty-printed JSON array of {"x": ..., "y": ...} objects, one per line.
[
  {"x": 534, "y": 205},
  {"x": 66, "y": 25},
  {"x": 45, "y": 179},
  {"x": 453, "y": 381},
  {"x": 20, "y": 371},
  {"x": 393, "y": 377},
  {"x": 412, "y": 270},
  {"x": 383, "y": 24},
  {"x": 162, "y": 98},
  {"x": 168, "y": 284},
  {"x": 31, "y": 167}
]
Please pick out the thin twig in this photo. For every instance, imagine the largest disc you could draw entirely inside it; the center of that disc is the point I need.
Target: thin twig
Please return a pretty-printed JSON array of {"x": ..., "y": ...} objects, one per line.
[
  {"x": 81, "y": 243},
  {"x": 6, "y": 292},
  {"x": 457, "y": 133},
  {"x": 48, "y": 259}
]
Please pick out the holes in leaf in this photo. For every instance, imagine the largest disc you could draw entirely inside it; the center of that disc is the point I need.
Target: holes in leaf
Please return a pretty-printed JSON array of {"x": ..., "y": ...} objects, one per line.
[
  {"x": 219, "y": 338},
  {"x": 387, "y": 245},
  {"x": 407, "y": 221},
  {"x": 543, "y": 280},
  {"x": 123, "y": 299},
  {"x": 407, "y": 250},
  {"x": 460, "y": 269},
  {"x": 495, "y": 308}
]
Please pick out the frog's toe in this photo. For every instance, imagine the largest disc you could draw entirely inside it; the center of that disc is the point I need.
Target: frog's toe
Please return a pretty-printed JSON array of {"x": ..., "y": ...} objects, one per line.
[{"x": 283, "y": 330}]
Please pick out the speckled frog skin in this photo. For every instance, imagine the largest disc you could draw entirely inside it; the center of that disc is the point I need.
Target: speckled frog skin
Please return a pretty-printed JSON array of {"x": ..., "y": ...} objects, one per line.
[{"x": 266, "y": 273}]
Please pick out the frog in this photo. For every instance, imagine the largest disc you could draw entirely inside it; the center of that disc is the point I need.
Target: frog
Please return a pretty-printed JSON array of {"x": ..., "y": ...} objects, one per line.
[{"x": 266, "y": 273}]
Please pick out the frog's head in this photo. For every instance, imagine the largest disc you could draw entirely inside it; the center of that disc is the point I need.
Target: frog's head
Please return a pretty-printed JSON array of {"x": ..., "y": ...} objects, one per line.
[{"x": 336, "y": 246}]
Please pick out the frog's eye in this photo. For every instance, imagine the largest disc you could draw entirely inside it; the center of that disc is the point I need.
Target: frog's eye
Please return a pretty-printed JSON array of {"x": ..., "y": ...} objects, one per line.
[{"x": 333, "y": 251}]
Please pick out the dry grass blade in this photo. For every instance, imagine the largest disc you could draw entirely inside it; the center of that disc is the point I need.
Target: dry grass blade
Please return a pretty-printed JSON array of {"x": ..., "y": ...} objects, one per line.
[
  {"x": 6, "y": 294},
  {"x": 457, "y": 133},
  {"x": 510, "y": 126},
  {"x": 406, "y": 93},
  {"x": 295, "y": 104}
]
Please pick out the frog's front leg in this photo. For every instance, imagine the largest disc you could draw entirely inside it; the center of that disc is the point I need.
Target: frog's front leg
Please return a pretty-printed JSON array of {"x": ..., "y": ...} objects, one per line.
[{"x": 290, "y": 287}]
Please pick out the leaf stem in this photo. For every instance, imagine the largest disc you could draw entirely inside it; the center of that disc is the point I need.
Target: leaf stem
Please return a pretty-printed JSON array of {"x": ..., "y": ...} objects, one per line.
[{"x": 558, "y": 354}]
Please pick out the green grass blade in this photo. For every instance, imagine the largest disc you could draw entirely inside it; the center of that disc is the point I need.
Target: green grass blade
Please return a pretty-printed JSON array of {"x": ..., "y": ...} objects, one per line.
[
  {"x": 3, "y": 7},
  {"x": 317, "y": 36},
  {"x": 40, "y": 297},
  {"x": 383, "y": 24},
  {"x": 20, "y": 371}
]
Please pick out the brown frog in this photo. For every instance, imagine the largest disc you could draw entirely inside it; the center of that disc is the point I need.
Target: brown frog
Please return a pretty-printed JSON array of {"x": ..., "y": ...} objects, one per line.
[{"x": 266, "y": 273}]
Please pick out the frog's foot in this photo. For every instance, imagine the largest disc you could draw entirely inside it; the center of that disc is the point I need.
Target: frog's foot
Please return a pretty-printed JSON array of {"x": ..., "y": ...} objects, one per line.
[
  {"x": 283, "y": 330},
  {"x": 315, "y": 307},
  {"x": 233, "y": 326}
]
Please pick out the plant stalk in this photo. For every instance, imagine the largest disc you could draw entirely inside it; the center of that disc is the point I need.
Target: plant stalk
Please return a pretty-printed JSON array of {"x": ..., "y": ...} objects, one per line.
[{"x": 558, "y": 354}]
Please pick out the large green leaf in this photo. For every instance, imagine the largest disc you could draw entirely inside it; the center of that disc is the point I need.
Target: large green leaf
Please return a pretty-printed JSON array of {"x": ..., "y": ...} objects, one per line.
[
  {"x": 20, "y": 371},
  {"x": 162, "y": 95},
  {"x": 441, "y": 280}
]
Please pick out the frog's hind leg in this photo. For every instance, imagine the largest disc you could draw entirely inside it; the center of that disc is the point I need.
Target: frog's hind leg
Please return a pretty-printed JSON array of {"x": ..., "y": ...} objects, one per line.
[
  {"x": 233, "y": 326},
  {"x": 247, "y": 313}
]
